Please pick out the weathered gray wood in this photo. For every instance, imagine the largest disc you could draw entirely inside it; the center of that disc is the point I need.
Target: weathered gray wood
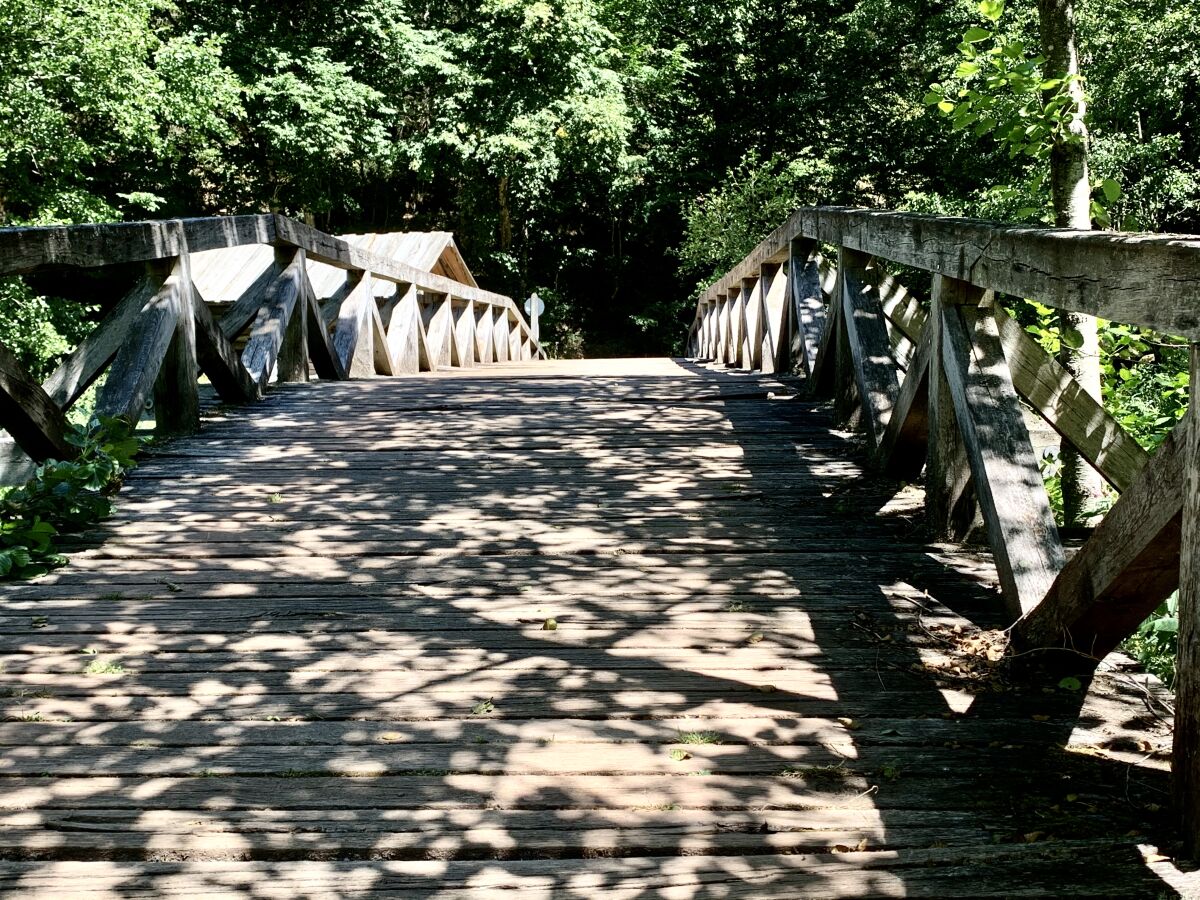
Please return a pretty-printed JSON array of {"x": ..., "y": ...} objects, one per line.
[
  {"x": 218, "y": 359},
  {"x": 824, "y": 368},
  {"x": 381, "y": 351},
  {"x": 318, "y": 344},
  {"x": 1186, "y": 755},
  {"x": 1068, "y": 408},
  {"x": 176, "y": 395},
  {"x": 1128, "y": 566},
  {"x": 83, "y": 365},
  {"x": 463, "y": 348},
  {"x": 28, "y": 414},
  {"x": 333, "y": 251},
  {"x": 272, "y": 323},
  {"x": 752, "y": 324},
  {"x": 1021, "y": 529},
  {"x": 402, "y": 324},
  {"x": 135, "y": 368},
  {"x": 27, "y": 249},
  {"x": 352, "y": 335},
  {"x": 808, "y": 303},
  {"x": 867, "y": 339},
  {"x": 246, "y": 308},
  {"x": 1048, "y": 388},
  {"x": 485, "y": 351},
  {"x": 950, "y": 503},
  {"x": 905, "y": 442},
  {"x": 1149, "y": 280}
]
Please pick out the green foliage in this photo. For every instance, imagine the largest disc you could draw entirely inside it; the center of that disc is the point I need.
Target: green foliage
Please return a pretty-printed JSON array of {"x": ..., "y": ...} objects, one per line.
[
  {"x": 999, "y": 87},
  {"x": 726, "y": 223},
  {"x": 1154, "y": 643},
  {"x": 63, "y": 496},
  {"x": 39, "y": 330}
]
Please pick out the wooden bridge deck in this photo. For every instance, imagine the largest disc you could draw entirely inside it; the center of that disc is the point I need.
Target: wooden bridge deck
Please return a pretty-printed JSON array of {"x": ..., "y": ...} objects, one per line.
[{"x": 315, "y": 654}]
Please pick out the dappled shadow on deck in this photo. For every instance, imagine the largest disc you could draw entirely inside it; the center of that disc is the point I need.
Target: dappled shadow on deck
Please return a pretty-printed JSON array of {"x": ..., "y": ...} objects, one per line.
[{"x": 321, "y": 631}]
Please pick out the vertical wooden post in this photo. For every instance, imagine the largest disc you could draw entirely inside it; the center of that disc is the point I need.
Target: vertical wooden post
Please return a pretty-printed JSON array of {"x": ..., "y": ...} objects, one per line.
[
  {"x": 808, "y": 304},
  {"x": 292, "y": 362},
  {"x": 949, "y": 498},
  {"x": 751, "y": 323},
  {"x": 846, "y": 408},
  {"x": 176, "y": 396},
  {"x": 1186, "y": 755},
  {"x": 774, "y": 316},
  {"x": 867, "y": 337}
]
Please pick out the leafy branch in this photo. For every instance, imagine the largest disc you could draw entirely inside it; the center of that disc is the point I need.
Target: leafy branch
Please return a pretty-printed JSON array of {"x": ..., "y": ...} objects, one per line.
[{"x": 64, "y": 496}]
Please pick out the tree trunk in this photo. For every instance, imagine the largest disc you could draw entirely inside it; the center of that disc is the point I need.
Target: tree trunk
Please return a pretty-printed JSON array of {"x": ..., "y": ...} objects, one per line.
[{"x": 1070, "y": 192}]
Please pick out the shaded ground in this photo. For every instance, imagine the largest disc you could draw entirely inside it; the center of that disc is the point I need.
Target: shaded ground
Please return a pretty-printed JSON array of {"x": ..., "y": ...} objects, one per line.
[{"x": 619, "y": 628}]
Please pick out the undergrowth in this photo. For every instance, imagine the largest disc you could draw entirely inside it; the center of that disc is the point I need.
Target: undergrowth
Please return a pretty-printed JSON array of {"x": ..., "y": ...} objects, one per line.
[{"x": 63, "y": 496}]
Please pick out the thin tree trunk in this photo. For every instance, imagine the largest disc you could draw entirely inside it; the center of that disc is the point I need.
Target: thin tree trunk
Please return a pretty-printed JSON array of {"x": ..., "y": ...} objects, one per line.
[{"x": 1070, "y": 191}]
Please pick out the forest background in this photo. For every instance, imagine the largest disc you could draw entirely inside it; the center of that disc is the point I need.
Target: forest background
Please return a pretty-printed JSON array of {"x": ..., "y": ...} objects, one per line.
[{"x": 611, "y": 155}]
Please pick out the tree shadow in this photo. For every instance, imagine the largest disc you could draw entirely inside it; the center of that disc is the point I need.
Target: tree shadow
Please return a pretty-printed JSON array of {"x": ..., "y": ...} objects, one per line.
[{"x": 440, "y": 634}]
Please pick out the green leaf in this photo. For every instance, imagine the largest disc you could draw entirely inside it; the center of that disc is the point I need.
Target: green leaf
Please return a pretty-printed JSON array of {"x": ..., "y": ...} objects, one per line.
[
  {"x": 1070, "y": 683},
  {"x": 1072, "y": 338},
  {"x": 976, "y": 35},
  {"x": 1112, "y": 190},
  {"x": 933, "y": 98},
  {"x": 966, "y": 69},
  {"x": 992, "y": 10},
  {"x": 946, "y": 106}
]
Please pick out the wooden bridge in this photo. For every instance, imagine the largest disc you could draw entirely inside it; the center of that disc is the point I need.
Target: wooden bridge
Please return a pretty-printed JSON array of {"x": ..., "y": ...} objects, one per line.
[{"x": 627, "y": 628}]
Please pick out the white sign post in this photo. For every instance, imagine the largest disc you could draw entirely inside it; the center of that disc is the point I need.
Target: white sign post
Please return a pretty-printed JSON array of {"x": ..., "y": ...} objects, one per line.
[{"x": 534, "y": 307}]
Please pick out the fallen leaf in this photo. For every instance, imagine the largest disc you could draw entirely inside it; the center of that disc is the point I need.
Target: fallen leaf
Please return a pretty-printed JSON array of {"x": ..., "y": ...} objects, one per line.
[
  {"x": 756, "y": 637},
  {"x": 389, "y": 737},
  {"x": 550, "y": 625},
  {"x": 850, "y": 723},
  {"x": 680, "y": 755}
]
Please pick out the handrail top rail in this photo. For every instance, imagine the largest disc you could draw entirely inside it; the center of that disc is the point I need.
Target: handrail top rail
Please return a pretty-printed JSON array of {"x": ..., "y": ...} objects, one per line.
[
  {"x": 25, "y": 249},
  {"x": 1146, "y": 279}
]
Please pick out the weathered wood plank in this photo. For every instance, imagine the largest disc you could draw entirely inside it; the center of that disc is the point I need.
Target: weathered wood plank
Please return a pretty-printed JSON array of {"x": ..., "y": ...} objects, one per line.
[
  {"x": 317, "y": 340},
  {"x": 176, "y": 395},
  {"x": 1142, "y": 279},
  {"x": 83, "y": 365},
  {"x": 905, "y": 442},
  {"x": 485, "y": 351},
  {"x": 1186, "y": 749},
  {"x": 336, "y": 252},
  {"x": 246, "y": 308},
  {"x": 218, "y": 359},
  {"x": 808, "y": 304},
  {"x": 950, "y": 503},
  {"x": 402, "y": 322},
  {"x": 26, "y": 249},
  {"x": 135, "y": 368},
  {"x": 1068, "y": 408},
  {"x": 28, "y": 414},
  {"x": 870, "y": 349},
  {"x": 352, "y": 336},
  {"x": 1128, "y": 566},
  {"x": 1021, "y": 529},
  {"x": 273, "y": 325},
  {"x": 381, "y": 351}
]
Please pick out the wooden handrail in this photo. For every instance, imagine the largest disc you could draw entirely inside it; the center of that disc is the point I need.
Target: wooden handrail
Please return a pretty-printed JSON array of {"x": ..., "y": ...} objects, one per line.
[
  {"x": 939, "y": 384},
  {"x": 163, "y": 334},
  {"x": 1151, "y": 280}
]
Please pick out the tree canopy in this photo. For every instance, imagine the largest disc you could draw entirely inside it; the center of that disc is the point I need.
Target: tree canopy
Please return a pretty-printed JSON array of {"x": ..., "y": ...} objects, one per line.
[{"x": 610, "y": 154}]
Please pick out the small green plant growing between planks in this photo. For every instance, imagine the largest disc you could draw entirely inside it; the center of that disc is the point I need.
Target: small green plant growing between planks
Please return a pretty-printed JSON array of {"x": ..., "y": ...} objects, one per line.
[
  {"x": 63, "y": 496},
  {"x": 699, "y": 737},
  {"x": 103, "y": 667}
]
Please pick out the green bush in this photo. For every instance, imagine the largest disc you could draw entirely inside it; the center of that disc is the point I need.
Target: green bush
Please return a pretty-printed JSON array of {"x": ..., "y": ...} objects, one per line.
[{"x": 63, "y": 496}]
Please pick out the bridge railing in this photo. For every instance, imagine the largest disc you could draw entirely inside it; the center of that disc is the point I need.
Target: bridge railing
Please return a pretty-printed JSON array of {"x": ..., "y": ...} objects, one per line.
[
  {"x": 939, "y": 386},
  {"x": 158, "y": 339}
]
